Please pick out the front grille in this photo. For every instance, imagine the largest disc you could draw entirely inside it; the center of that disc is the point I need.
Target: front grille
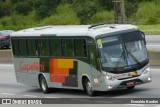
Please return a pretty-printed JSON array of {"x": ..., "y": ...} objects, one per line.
[
  {"x": 128, "y": 77},
  {"x": 124, "y": 83}
]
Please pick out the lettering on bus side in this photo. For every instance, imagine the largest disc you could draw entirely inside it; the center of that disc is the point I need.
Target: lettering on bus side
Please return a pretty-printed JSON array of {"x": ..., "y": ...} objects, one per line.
[{"x": 35, "y": 66}]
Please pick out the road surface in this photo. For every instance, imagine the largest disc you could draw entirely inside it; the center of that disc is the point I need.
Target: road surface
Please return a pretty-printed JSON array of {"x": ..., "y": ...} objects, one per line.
[
  {"x": 9, "y": 88},
  {"x": 153, "y": 42}
]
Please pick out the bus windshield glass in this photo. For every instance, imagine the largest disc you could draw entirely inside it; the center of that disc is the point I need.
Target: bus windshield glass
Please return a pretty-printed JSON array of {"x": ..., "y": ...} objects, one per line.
[{"x": 122, "y": 51}]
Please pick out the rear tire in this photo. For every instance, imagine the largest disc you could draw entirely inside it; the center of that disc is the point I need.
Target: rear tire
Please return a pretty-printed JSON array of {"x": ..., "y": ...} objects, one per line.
[
  {"x": 88, "y": 88},
  {"x": 130, "y": 88},
  {"x": 43, "y": 85}
]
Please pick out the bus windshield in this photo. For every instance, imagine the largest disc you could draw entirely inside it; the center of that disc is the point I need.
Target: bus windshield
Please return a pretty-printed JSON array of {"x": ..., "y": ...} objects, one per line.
[{"x": 123, "y": 51}]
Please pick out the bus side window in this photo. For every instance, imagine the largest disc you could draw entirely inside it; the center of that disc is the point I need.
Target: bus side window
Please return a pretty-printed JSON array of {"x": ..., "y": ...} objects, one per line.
[
  {"x": 92, "y": 56},
  {"x": 23, "y": 47},
  {"x": 67, "y": 47},
  {"x": 15, "y": 46},
  {"x": 32, "y": 49},
  {"x": 55, "y": 47},
  {"x": 80, "y": 48},
  {"x": 43, "y": 45}
]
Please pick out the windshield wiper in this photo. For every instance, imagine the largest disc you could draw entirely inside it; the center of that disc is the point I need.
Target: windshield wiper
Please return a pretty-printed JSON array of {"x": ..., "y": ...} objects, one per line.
[
  {"x": 123, "y": 54},
  {"x": 139, "y": 64},
  {"x": 104, "y": 57}
]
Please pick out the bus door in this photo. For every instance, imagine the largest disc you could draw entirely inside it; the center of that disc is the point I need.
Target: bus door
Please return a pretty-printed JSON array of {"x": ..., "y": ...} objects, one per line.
[{"x": 92, "y": 59}]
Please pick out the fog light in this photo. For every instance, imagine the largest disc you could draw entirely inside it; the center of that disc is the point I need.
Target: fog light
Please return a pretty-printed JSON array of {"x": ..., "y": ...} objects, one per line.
[
  {"x": 110, "y": 87},
  {"x": 149, "y": 79}
]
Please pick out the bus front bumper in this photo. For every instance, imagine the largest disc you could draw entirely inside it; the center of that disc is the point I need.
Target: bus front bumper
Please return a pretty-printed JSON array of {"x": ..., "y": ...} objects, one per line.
[{"x": 119, "y": 84}]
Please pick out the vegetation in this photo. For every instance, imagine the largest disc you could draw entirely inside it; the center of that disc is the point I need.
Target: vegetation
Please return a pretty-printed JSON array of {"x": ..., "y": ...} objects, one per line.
[
  {"x": 21, "y": 14},
  {"x": 150, "y": 29}
]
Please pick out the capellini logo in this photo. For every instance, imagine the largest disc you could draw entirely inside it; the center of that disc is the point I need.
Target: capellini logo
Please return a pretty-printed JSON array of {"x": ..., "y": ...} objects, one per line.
[{"x": 35, "y": 66}]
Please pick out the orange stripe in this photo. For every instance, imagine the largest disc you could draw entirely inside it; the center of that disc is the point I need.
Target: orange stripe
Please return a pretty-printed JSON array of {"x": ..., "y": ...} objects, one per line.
[{"x": 61, "y": 71}]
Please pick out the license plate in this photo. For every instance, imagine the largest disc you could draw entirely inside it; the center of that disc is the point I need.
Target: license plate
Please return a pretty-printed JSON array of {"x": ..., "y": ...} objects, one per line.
[{"x": 130, "y": 83}]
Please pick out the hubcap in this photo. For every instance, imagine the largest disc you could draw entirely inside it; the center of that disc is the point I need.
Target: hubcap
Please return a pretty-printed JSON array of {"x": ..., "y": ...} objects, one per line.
[
  {"x": 43, "y": 84},
  {"x": 89, "y": 87}
]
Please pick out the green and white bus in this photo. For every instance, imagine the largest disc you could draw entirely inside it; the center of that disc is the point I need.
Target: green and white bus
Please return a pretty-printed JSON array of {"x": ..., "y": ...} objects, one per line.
[{"x": 87, "y": 57}]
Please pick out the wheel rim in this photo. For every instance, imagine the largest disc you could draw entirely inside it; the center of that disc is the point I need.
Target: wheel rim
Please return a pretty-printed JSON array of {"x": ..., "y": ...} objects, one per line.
[
  {"x": 89, "y": 87},
  {"x": 43, "y": 85}
]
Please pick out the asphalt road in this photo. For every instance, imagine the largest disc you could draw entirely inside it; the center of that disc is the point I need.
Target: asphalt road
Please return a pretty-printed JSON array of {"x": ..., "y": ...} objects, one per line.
[
  {"x": 9, "y": 88},
  {"x": 153, "y": 42}
]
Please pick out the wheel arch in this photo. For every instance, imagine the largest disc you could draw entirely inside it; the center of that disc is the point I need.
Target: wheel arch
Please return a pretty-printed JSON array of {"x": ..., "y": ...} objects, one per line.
[{"x": 42, "y": 74}]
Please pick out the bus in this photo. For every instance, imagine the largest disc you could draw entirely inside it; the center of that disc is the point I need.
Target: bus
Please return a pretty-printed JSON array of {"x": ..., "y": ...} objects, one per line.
[{"x": 92, "y": 58}]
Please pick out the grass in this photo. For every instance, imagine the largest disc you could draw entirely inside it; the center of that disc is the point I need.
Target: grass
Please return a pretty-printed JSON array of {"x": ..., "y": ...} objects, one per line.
[
  {"x": 154, "y": 51},
  {"x": 150, "y": 29}
]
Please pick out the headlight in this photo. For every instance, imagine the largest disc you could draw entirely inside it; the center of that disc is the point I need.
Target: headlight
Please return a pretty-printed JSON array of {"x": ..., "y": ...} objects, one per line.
[
  {"x": 146, "y": 70},
  {"x": 109, "y": 77}
]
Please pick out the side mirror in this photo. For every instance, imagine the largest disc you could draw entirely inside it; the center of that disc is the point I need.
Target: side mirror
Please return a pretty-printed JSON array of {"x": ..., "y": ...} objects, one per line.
[{"x": 144, "y": 38}]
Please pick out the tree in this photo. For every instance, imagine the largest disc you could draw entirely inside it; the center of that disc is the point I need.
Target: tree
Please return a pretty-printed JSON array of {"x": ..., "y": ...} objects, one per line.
[
  {"x": 64, "y": 15},
  {"x": 6, "y": 8},
  {"x": 85, "y": 10},
  {"x": 23, "y": 7},
  {"x": 107, "y": 4},
  {"x": 131, "y": 7},
  {"x": 45, "y": 8}
]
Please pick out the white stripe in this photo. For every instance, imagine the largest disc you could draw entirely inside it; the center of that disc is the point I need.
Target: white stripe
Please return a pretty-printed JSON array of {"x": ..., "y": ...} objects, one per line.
[
  {"x": 29, "y": 95},
  {"x": 156, "y": 69},
  {"x": 79, "y": 100},
  {"x": 7, "y": 94},
  {"x": 51, "y": 97},
  {"x": 6, "y": 65},
  {"x": 140, "y": 105},
  {"x": 153, "y": 45},
  {"x": 104, "y": 102}
]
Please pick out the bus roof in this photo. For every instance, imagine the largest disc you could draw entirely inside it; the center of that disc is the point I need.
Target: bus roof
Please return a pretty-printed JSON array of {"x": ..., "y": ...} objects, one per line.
[{"x": 73, "y": 30}]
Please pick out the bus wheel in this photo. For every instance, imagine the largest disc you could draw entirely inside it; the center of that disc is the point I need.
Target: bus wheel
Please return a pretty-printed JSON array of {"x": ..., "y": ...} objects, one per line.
[
  {"x": 131, "y": 87},
  {"x": 43, "y": 85},
  {"x": 88, "y": 87}
]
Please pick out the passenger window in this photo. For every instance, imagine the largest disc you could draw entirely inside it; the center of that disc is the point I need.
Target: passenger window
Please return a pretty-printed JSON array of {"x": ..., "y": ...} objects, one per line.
[
  {"x": 32, "y": 49},
  {"x": 55, "y": 47},
  {"x": 80, "y": 48},
  {"x": 67, "y": 47},
  {"x": 15, "y": 47},
  {"x": 43, "y": 47},
  {"x": 23, "y": 47}
]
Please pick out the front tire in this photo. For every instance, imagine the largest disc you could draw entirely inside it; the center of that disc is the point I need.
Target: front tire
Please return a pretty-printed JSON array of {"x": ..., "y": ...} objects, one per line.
[
  {"x": 88, "y": 88},
  {"x": 43, "y": 85}
]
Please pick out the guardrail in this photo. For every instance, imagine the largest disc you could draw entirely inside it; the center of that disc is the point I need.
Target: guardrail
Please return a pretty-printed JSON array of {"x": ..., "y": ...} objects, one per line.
[{"x": 6, "y": 56}]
